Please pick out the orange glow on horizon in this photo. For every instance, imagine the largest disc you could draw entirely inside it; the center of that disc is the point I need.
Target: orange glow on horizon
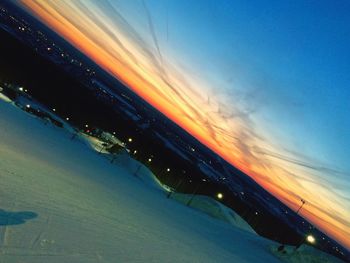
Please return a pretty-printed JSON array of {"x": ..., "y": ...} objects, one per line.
[{"x": 187, "y": 111}]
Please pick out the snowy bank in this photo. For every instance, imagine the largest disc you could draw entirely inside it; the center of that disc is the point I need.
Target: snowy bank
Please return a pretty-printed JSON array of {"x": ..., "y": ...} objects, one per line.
[
  {"x": 73, "y": 205},
  {"x": 215, "y": 209}
]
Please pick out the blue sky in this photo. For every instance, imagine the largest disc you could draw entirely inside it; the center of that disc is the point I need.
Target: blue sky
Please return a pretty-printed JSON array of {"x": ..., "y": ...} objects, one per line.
[{"x": 293, "y": 56}]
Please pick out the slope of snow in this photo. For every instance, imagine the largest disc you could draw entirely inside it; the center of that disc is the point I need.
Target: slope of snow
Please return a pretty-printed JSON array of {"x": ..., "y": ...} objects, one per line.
[
  {"x": 60, "y": 201},
  {"x": 140, "y": 172},
  {"x": 4, "y": 97},
  {"x": 215, "y": 209},
  {"x": 305, "y": 254}
]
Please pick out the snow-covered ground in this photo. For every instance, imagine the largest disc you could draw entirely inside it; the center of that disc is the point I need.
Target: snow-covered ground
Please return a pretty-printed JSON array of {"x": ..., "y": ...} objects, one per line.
[
  {"x": 61, "y": 201},
  {"x": 215, "y": 209}
]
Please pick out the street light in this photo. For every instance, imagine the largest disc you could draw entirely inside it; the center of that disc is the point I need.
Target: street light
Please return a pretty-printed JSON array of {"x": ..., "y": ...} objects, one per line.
[
  {"x": 302, "y": 204},
  {"x": 130, "y": 140},
  {"x": 311, "y": 239},
  {"x": 219, "y": 195}
]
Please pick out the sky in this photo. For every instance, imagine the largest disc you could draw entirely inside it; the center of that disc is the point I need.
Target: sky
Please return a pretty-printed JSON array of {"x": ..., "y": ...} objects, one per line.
[{"x": 263, "y": 84}]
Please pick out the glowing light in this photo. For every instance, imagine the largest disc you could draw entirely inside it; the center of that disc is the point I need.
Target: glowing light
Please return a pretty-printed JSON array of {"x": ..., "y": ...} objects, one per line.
[
  {"x": 149, "y": 160},
  {"x": 310, "y": 239},
  {"x": 130, "y": 140},
  {"x": 219, "y": 195},
  {"x": 168, "y": 169},
  {"x": 21, "y": 89}
]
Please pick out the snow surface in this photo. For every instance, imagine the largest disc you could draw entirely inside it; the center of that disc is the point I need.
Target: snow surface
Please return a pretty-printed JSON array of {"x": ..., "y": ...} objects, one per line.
[
  {"x": 61, "y": 201},
  {"x": 4, "y": 97},
  {"x": 215, "y": 209}
]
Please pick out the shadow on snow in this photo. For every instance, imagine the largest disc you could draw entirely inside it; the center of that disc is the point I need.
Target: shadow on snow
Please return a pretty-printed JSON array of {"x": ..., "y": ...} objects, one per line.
[{"x": 8, "y": 218}]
